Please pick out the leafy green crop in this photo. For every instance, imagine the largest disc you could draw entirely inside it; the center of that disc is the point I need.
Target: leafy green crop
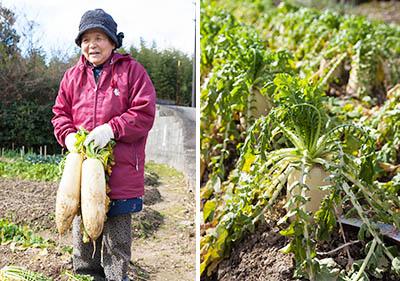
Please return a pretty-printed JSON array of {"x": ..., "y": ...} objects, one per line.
[
  {"x": 248, "y": 156},
  {"x": 262, "y": 172},
  {"x": 25, "y": 170},
  {"x": 21, "y": 236},
  {"x": 50, "y": 159},
  {"x": 19, "y": 273},
  {"x": 348, "y": 51},
  {"x": 234, "y": 92},
  {"x": 386, "y": 121}
]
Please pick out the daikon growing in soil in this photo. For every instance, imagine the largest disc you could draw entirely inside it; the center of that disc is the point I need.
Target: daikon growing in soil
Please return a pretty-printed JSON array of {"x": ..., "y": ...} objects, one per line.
[{"x": 304, "y": 185}]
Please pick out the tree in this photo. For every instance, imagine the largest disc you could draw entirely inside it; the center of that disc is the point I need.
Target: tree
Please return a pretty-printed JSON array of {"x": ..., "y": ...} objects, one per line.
[
  {"x": 170, "y": 70},
  {"x": 8, "y": 35}
]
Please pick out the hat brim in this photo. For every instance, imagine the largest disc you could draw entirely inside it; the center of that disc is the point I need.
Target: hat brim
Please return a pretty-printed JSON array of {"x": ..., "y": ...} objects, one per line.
[{"x": 113, "y": 37}]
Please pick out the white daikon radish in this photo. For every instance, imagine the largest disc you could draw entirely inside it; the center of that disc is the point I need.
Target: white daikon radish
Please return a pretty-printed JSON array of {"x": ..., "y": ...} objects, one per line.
[
  {"x": 68, "y": 193},
  {"x": 93, "y": 197},
  {"x": 314, "y": 179}
]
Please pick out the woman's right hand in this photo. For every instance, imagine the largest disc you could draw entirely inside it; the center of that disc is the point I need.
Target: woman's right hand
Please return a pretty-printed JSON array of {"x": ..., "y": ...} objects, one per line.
[{"x": 70, "y": 141}]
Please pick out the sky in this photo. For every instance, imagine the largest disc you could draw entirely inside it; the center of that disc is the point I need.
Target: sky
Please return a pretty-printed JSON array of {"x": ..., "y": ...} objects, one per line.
[{"x": 170, "y": 23}]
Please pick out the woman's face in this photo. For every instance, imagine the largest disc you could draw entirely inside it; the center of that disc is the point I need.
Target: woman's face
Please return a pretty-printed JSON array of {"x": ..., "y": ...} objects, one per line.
[{"x": 96, "y": 46}]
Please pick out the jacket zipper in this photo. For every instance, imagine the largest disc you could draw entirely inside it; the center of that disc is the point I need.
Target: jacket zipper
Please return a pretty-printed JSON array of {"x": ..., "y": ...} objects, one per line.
[
  {"x": 137, "y": 159},
  {"x": 95, "y": 91},
  {"x": 95, "y": 106},
  {"x": 96, "y": 96}
]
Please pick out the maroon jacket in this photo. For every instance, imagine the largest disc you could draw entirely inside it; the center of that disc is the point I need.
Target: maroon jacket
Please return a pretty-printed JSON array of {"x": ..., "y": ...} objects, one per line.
[{"x": 125, "y": 99}]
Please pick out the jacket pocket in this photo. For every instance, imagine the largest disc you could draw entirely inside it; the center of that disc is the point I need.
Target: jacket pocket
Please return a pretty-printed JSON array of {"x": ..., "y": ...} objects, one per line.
[{"x": 123, "y": 154}]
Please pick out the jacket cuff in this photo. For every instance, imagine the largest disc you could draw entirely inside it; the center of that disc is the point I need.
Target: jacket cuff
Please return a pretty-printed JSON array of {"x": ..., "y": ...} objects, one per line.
[
  {"x": 114, "y": 129},
  {"x": 65, "y": 134}
]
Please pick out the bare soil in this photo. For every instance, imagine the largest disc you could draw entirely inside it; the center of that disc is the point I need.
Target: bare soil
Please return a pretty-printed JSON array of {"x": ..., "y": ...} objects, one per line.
[
  {"x": 257, "y": 256},
  {"x": 387, "y": 11},
  {"x": 163, "y": 233}
]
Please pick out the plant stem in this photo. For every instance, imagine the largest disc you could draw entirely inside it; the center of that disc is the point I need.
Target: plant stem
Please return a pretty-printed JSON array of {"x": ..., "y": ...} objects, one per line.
[
  {"x": 338, "y": 248},
  {"x": 366, "y": 260},
  {"x": 360, "y": 212},
  {"x": 367, "y": 194},
  {"x": 281, "y": 183},
  {"x": 350, "y": 262}
]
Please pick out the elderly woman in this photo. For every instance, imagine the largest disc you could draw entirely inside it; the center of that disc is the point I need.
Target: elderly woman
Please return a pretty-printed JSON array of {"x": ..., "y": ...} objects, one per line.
[{"x": 112, "y": 97}]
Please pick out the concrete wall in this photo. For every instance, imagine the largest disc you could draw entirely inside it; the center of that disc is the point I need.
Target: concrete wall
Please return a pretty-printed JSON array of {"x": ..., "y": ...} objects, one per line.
[{"x": 172, "y": 140}]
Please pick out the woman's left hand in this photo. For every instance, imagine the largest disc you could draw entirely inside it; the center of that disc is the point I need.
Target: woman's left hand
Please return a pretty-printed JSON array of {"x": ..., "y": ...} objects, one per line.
[{"x": 101, "y": 135}]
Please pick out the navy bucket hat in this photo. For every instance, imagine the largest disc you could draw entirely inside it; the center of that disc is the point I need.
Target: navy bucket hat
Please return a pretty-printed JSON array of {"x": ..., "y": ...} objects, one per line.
[{"x": 99, "y": 19}]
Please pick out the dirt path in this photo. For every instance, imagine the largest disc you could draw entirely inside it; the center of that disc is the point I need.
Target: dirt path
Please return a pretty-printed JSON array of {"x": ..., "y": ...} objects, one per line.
[
  {"x": 163, "y": 247},
  {"x": 169, "y": 254}
]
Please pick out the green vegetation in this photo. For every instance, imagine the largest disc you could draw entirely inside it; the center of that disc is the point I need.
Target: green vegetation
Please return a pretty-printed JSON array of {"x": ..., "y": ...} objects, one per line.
[
  {"x": 162, "y": 170},
  {"x": 9, "y": 273},
  {"x": 170, "y": 71},
  {"x": 19, "y": 273},
  {"x": 40, "y": 168},
  {"x": 30, "y": 166},
  {"x": 21, "y": 236},
  {"x": 298, "y": 89},
  {"x": 22, "y": 169},
  {"x": 77, "y": 277}
]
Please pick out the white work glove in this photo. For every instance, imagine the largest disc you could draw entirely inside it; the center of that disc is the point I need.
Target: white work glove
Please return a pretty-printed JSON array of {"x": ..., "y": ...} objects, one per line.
[
  {"x": 101, "y": 135},
  {"x": 70, "y": 141}
]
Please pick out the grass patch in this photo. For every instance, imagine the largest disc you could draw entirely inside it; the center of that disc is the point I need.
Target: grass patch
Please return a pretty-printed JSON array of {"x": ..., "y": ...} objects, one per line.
[{"x": 163, "y": 170}]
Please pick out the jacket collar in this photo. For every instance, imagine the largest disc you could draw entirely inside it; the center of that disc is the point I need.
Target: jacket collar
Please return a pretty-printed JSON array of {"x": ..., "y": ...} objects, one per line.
[{"x": 114, "y": 58}]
